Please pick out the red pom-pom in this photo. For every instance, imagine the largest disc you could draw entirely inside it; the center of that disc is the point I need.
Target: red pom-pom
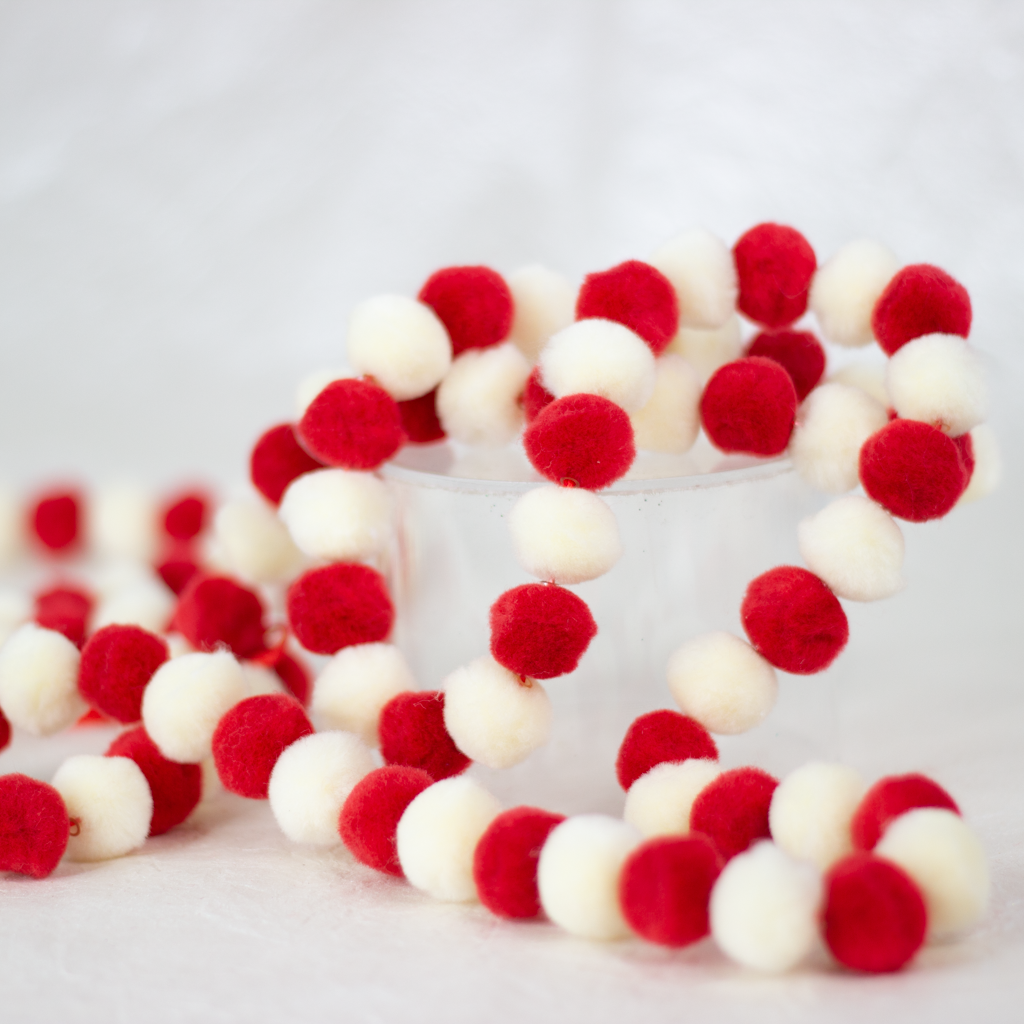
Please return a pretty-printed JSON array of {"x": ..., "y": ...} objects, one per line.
[
  {"x": 5, "y": 731},
  {"x": 540, "y": 630},
  {"x": 216, "y": 610},
  {"x": 634, "y": 294},
  {"x": 65, "y": 610},
  {"x": 919, "y": 300},
  {"x": 912, "y": 470},
  {"x": 295, "y": 674},
  {"x": 799, "y": 353},
  {"x": 34, "y": 826},
  {"x": 412, "y": 733},
  {"x": 116, "y": 665},
  {"x": 178, "y": 569},
  {"x": 276, "y": 460},
  {"x": 661, "y": 736},
  {"x": 353, "y": 424},
  {"x": 370, "y": 815},
  {"x": 732, "y": 810},
  {"x": 473, "y": 303},
  {"x": 176, "y": 787},
  {"x": 185, "y": 515},
  {"x": 54, "y": 521},
  {"x": 665, "y": 887},
  {"x": 339, "y": 605},
  {"x": 749, "y": 405},
  {"x": 890, "y": 797},
  {"x": 794, "y": 620},
  {"x": 251, "y": 737},
  {"x": 535, "y": 396},
  {"x": 505, "y": 861},
  {"x": 581, "y": 439},
  {"x": 774, "y": 265},
  {"x": 875, "y": 917},
  {"x": 419, "y": 419}
]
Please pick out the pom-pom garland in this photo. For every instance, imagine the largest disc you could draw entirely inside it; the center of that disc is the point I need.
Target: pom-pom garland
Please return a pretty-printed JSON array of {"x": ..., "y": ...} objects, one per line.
[
  {"x": 732, "y": 810},
  {"x": 749, "y": 406},
  {"x": 919, "y": 300},
  {"x": 34, "y": 826},
  {"x": 774, "y": 266},
  {"x": 413, "y": 733},
  {"x": 116, "y": 665},
  {"x": 473, "y": 303}
]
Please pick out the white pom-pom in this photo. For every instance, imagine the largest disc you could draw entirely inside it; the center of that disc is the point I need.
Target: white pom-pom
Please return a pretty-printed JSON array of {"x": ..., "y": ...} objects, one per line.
[
  {"x": 39, "y": 680},
  {"x": 185, "y": 700},
  {"x": 722, "y": 682},
  {"x": 938, "y": 379},
  {"x": 478, "y": 401},
  {"x": 811, "y": 811},
  {"x": 564, "y": 534},
  {"x": 312, "y": 384},
  {"x": 942, "y": 855},
  {"x": 11, "y": 518},
  {"x": 493, "y": 717},
  {"x": 15, "y": 610},
  {"x": 670, "y": 421},
  {"x": 578, "y": 875},
  {"x": 356, "y": 684},
  {"x": 543, "y": 303},
  {"x": 764, "y": 909},
  {"x": 254, "y": 543},
  {"x": 855, "y": 547},
  {"x": 988, "y": 464},
  {"x": 400, "y": 343},
  {"x": 846, "y": 287},
  {"x": 438, "y": 833},
  {"x": 260, "y": 680},
  {"x": 869, "y": 377},
  {"x": 122, "y": 522},
  {"x": 832, "y": 424},
  {"x": 599, "y": 357},
  {"x": 703, "y": 273},
  {"x": 706, "y": 351},
  {"x": 659, "y": 802},
  {"x": 111, "y": 801},
  {"x": 147, "y": 603},
  {"x": 338, "y": 515},
  {"x": 310, "y": 782}
]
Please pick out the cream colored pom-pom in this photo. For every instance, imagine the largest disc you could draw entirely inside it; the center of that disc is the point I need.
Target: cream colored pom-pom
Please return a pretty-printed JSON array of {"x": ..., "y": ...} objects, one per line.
[
  {"x": 869, "y": 377},
  {"x": 147, "y": 603},
  {"x": 438, "y": 833},
  {"x": 832, "y": 424},
  {"x": 703, "y": 274},
  {"x": 659, "y": 802},
  {"x": 988, "y": 464},
  {"x": 122, "y": 522},
  {"x": 337, "y": 514},
  {"x": 938, "y": 379},
  {"x": 185, "y": 700},
  {"x": 707, "y": 350},
  {"x": 254, "y": 543},
  {"x": 313, "y": 383},
  {"x": 942, "y": 855},
  {"x": 356, "y": 684},
  {"x": 722, "y": 682},
  {"x": 11, "y": 519},
  {"x": 811, "y": 810},
  {"x": 400, "y": 343},
  {"x": 15, "y": 611},
  {"x": 492, "y": 716},
  {"x": 599, "y": 357},
  {"x": 764, "y": 909},
  {"x": 856, "y": 547},
  {"x": 670, "y": 421},
  {"x": 39, "y": 680},
  {"x": 312, "y": 779},
  {"x": 478, "y": 401},
  {"x": 578, "y": 875},
  {"x": 564, "y": 535},
  {"x": 543, "y": 303},
  {"x": 846, "y": 287},
  {"x": 111, "y": 801}
]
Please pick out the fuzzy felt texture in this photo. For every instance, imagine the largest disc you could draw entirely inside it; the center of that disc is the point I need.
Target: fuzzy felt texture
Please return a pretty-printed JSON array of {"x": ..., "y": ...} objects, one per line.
[
  {"x": 215, "y": 610},
  {"x": 296, "y": 675},
  {"x": 732, "y": 810},
  {"x": 636, "y": 295},
  {"x": 352, "y": 424},
  {"x": 540, "y": 630},
  {"x": 178, "y": 568},
  {"x": 339, "y": 605},
  {"x": 581, "y": 439},
  {"x": 176, "y": 787},
  {"x": 419, "y": 419},
  {"x": 473, "y": 303},
  {"x": 798, "y": 352},
  {"x": 749, "y": 405},
  {"x": 116, "y": 665},
  {"x": 890, "y": 797},
  {"x": 661, "y": 736},
  {"x": 54, "y": 521},
  {"x": 412, "y": 733},
  {"x": 505, "y": 861},
  {"x": 875, "y": 917},
  {"x": 775, "y": 265},
  {"x": 665, "y": 888},
  {"x": 919, "y": 300},
  {"x": 371, "y": 812},
  {"x": 277, "y": 459},
  {"x": 535, "y": 396},
  {"x": 185, "y": 516},
  {"x": 913, "y": 470},
  {"x": 249, "y": 739},
  {"x": 64, "y": 609},
  {"x": 34, "y": 826}
]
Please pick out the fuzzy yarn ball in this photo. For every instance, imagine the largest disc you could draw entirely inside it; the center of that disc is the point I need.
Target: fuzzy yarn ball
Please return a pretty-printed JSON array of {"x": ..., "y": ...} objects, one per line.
[
  {"x": 661, "y": 736},
  {"x": 920, "y": 299},
  {"x": 277, "y": 459},
  {"x": 732, "y": 810},
  {"x": 34, "y": 826},
  {"x": 774, "y": 266},
  {"x": 474, "y": 304},
  {"x": 216, "y": 611},
  {"x": 799, "y": 353},
  {"x": 116, "y": 665},
  {"x": 890, "y": 797},
  {"x": 413, "y": 733}
]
